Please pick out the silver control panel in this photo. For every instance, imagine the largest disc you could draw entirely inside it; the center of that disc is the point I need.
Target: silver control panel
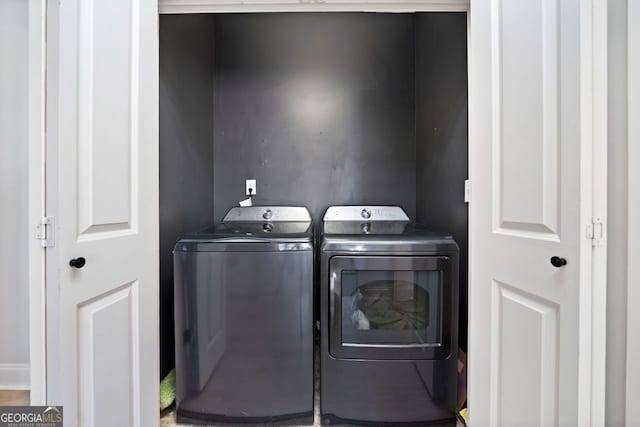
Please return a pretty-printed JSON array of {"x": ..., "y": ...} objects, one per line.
[
  {"x": 365, "y": 213},
  {"x": 268, "y": 213}
]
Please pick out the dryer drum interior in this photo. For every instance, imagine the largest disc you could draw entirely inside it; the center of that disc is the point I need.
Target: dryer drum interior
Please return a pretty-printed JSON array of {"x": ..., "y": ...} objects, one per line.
[{"x": 397, "y": 311}]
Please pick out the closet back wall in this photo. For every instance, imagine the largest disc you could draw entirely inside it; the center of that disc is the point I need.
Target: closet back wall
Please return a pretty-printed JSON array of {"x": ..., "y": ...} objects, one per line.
[{"x": 319, "y": 108}]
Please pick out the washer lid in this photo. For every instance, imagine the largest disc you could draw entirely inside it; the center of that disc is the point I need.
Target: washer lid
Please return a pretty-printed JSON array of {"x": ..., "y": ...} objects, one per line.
[{"x": 365, "y": 213}]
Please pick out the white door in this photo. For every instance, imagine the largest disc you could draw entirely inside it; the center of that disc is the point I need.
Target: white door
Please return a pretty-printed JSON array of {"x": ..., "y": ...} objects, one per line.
[
  {"x": 529, "y": 322},
  {"x": 102, "y": 187}
]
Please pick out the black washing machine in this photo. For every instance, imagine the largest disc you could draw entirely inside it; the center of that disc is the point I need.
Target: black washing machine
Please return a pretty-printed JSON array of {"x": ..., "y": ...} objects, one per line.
[
  {"x": 244, "y": 319},
  {"x": 389, "y": 319}
]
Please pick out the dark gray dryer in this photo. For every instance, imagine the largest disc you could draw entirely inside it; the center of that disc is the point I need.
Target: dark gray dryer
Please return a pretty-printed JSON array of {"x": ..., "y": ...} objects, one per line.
[
  {"x": 388, "y": 311},
  {"x": 244, "y": 319}
]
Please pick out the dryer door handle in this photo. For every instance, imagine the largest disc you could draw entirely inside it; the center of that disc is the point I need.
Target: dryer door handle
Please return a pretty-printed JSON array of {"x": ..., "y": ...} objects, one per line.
[{"x": 332, "y": 296}]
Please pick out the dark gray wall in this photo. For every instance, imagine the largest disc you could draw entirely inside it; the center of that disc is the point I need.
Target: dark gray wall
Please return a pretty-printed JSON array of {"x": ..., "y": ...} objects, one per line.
[
  {"x": 441, "y": 133},
  {"x": 319, "y": 108},
  {"x": 186, "y": 148}
]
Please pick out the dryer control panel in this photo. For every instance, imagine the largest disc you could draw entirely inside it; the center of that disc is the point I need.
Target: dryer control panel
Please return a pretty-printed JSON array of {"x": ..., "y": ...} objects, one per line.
[{"x": 365, "y": 213}]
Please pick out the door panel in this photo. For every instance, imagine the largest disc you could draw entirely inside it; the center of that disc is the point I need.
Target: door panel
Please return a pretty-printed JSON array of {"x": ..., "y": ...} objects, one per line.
[
  {"x": 107, "y": 116},
  {"x": 521, "y": 319},
  {"x": 108, "y": 365},
  {"x": 525, "y": 118},
  {"x": 103, "y": 190},
  {"x": 525, "y": 161}
]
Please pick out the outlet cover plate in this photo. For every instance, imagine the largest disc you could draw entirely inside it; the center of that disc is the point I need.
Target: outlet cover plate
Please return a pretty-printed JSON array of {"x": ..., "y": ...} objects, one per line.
[{"x": 251, "y": 185}]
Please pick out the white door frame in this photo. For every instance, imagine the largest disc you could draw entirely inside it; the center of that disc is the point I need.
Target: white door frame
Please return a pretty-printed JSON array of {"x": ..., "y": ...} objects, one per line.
[
  {"x": 633, "y": 228},
  {"x": 593, "y": 130},
  {"x": 36, "y": 202},
  {"x": 258, "y": 6},
  {"x": 594, "y": 96}
]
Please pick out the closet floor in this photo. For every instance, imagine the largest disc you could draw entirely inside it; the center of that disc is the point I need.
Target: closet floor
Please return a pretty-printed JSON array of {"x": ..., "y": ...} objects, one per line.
[{"x": 169, "y": 419}]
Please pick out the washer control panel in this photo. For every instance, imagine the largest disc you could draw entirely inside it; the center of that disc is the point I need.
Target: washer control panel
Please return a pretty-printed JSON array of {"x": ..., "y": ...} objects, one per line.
[
  {"x": 268, "y": 213},
  {"x": 366, "y": 213}
]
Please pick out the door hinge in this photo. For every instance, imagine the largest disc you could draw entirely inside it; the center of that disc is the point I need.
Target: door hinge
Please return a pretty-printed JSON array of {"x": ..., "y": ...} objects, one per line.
[
  {"x": 467, "y": 191},
  {"x": 595, "y": 232},
  {"x": 44, "y": 231}
]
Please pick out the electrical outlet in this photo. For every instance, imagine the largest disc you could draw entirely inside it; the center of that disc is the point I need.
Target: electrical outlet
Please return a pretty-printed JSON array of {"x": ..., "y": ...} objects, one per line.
[{"x": 252, "y": 190}]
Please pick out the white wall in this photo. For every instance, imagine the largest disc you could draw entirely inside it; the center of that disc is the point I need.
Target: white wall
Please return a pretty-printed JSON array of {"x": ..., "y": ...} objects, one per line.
[
  {"x": 14, "y": 307},
  {"x": 617, "y": 214},
  {"x": 632, "y": 377}
]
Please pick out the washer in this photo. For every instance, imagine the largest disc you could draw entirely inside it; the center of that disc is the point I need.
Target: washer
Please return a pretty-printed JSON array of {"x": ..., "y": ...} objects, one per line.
[
  {"x": 244, "y": 319},
  {"x": 388, "y": 319}
]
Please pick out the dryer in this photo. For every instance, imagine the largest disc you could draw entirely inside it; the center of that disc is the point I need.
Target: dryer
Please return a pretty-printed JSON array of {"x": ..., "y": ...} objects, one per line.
[
  {"x": 388, "y": 319},
  {"x": 244, "y": 319}
]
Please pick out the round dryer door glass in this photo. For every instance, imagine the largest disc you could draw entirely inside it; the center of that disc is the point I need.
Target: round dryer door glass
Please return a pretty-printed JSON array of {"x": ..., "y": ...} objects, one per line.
[{"x": 395, "y": 308}]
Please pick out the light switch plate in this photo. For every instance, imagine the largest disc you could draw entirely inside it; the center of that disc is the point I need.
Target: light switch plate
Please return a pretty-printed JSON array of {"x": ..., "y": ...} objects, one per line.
[
  {"x": 251, "y": 185},
  {"x": 467, "y": 191}
]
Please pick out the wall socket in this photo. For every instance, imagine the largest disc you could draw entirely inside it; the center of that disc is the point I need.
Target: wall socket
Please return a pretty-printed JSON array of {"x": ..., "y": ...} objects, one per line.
[{"x": 252, "y": 189}]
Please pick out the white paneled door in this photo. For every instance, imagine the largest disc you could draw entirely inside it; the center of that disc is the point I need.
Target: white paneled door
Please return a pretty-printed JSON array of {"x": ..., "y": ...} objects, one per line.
[
  {"x": 102, "y": 178},
  {"x": 531, "y": 174}
]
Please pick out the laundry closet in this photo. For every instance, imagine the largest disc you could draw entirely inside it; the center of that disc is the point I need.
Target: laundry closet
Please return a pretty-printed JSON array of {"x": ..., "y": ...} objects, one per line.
[
  {"x": 153, "y": 113},
  {"x": 321, "y": 109}
]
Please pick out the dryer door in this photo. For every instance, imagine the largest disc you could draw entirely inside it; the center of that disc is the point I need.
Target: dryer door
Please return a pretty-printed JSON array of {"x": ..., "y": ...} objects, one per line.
[{"x": 385, "y": 307}]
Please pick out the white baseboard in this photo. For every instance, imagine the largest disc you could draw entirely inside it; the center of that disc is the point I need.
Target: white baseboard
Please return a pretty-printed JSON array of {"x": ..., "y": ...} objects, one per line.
[{"x": 14, "y": 376}]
